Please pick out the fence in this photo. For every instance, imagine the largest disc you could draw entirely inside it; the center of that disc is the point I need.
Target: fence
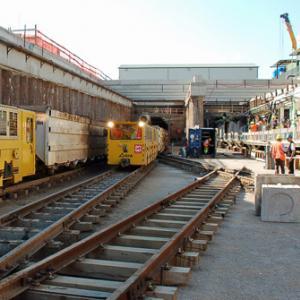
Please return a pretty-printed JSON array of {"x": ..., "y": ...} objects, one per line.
[{"x": 36, "y": 37}]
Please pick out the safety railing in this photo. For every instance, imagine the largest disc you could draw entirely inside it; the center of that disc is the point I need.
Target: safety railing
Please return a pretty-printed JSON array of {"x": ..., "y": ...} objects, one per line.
[
  {"x": 36, "y": 37},
  {"x": 269, "y": 135}
]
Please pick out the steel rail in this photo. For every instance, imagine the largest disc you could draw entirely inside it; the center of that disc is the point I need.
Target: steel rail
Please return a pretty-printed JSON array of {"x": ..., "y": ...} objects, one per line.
[
  {"x": 132, "y": 287},
  {"x": 19, "y": 212},
  {"x": 22, "y": 252},
  {"x": 17, "y": 283},
  {"x": 38, "y": 182},
  {"x": 184, "y": 162}
]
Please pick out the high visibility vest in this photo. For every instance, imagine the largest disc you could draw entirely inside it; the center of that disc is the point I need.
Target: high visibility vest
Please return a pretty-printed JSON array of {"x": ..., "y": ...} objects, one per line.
[{"x": 277, "y": 151}]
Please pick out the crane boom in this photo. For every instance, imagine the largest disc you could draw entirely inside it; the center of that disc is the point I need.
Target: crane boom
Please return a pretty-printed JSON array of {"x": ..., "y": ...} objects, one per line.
[{"x": 290, "y": 30}]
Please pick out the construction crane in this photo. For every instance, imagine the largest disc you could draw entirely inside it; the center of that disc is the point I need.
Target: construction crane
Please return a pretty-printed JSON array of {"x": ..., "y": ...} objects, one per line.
[{"x": 291, "y": 32}]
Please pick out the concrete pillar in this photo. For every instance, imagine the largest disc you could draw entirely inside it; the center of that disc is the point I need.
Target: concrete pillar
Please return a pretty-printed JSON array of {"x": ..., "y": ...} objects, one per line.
[
  {"x": 198, "y": 110},
  {"x": 1, "y": 86},
  {"x": 195, "y": 112}
]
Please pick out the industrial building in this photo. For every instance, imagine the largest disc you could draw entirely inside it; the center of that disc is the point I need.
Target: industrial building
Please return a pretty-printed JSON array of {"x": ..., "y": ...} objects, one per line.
[{"x": 186, "y": 72}]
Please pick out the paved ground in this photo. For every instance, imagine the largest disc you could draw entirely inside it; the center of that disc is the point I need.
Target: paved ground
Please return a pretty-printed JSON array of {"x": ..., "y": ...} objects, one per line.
[
  {"x": 248, "y": 258},
  {"x": 160, "y": 182}
]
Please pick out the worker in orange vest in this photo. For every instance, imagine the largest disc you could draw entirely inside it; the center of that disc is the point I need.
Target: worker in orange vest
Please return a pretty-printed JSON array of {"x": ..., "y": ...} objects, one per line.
[{"x": 278, "y": 155}]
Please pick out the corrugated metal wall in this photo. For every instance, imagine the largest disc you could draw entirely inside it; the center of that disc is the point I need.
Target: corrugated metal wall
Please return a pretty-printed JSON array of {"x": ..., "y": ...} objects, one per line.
[{"x": 17, "y": 89}]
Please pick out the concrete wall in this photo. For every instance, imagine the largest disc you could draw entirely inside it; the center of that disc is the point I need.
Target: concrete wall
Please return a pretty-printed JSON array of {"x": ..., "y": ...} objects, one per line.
[
  {"x": 187, "y": 73},
  {"x": 30, "y": 75},
  {"x": 20, "y": 89}
]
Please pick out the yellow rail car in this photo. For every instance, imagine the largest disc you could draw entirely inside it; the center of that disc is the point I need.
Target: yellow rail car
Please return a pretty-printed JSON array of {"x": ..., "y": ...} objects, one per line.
[
  {"x": 17, "y": 144},
  {"x": 132, "y": 143}
]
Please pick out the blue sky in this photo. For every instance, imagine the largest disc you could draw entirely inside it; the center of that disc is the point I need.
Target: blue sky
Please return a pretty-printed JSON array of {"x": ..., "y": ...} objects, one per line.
[{"x": 108, "y": 33}]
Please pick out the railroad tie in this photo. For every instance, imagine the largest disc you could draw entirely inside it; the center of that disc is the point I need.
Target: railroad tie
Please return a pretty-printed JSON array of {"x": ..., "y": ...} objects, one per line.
[{"x": 163, "y": 292}]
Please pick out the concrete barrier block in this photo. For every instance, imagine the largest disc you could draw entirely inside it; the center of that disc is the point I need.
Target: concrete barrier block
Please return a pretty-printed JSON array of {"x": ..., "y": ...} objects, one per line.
[
  {"x": 270, "y": 179},
  {"x": 280, "y": 203}
]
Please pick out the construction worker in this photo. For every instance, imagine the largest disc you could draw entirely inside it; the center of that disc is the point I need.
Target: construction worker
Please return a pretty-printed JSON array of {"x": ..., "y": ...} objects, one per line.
[
  {"x": 278, "y": 155},
  {"x": 207, "y": 145},
  {"x": 291, "y": 152}
]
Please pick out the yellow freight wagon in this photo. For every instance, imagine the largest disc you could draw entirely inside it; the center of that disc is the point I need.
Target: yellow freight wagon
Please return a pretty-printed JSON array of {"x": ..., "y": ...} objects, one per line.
[
  {"x": 131, "y": 143},
  {"x": 17, "y": 144}
]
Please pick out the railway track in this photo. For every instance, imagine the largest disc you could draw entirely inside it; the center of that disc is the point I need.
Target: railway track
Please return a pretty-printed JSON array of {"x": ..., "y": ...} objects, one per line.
[
  {"x": 246, "y": 176},
  {"x": 56, "y": 221},
  {"x": 15, "y": 190},
  {"x": 186, "y": 164},
  {"x": 137, "y": 257}
]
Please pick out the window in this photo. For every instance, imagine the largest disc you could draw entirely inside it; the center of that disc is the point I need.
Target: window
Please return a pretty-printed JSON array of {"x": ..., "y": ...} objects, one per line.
[
  {"x": 13, "y": 124},
  {"x": 126, "y": 132},
  {"x": 3, "y": 123},
  {"x": 29, "y": 130}
]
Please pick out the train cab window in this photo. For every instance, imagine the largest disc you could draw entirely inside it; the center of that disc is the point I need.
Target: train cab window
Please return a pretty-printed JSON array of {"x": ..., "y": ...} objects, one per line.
[
  {"x": 3, "y": 123},
  {"x": 126, "y": 132},
  {"x": 29, "y": 130},
  {"x": 13, "y": 124}
]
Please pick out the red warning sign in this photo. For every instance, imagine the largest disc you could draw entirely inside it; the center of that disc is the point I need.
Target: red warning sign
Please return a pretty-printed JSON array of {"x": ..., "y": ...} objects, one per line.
[{"x": 138, "y": 148}]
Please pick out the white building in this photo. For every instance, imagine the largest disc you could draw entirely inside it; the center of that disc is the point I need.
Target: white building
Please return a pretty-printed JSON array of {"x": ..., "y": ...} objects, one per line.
[{"x": 186, "y": 72}]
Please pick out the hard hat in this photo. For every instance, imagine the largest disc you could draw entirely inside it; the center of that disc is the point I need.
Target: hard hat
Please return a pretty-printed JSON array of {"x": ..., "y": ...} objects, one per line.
[{"x": 278, "y": 137}]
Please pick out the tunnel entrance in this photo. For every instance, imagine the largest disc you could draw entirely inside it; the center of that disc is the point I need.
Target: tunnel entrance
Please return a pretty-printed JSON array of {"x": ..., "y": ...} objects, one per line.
[{"x": 159, "y": 121}]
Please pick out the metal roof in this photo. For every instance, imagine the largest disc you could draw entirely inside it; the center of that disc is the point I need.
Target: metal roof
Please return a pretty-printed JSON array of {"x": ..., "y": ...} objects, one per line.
[
  {"x": 152, "y": 66},
  {"x": 283, "y": 62}
]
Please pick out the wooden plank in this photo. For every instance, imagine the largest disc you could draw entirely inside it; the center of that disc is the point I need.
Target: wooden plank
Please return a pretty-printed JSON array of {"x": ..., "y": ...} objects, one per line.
[
  {"x": 194, "y": 200},
  {"x": 101, "y": 269},
  {"x": 98, "y": 211},
  {"x": 121, "y": 253},
  {"x": 83, "y": 226},
  {"x": 84, "y": 283},
  {"x": 59, "y": 292},
  {"x": 184, "y": 205},
  {"x": 35, "y": 223},
  {"x": 165, "y": 223},
  {"x": 214, "y": 219},
  {"x": 141, "y": 241},
  {"x": 187, "y": 259},
  {"x": 175, "y": 217},
  {"x": 17, "y": 233},
  {"x": 174, "y": 276},
  {"x": 69, "y": 236},
  {"x": 57, "y": 209},
  {"x": 196, "y": 245},
  {"x": 204, "y": 235},
  {"x": 173, "y": 210},
  {"x": 91, "y": 218},
  {"x": 165, "y": 292},
  {"x": 210, "y": 226},
  {"x": 154, "y": 231}
]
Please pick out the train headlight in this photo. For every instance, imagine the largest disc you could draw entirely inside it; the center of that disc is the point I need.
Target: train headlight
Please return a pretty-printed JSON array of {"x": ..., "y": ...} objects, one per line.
[
  {"x": 110, "y": 124},
  {"x": 141, "y": 124}
]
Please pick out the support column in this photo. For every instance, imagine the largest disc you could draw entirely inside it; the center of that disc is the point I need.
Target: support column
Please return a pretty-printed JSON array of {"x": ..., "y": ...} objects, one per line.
[
  {"x": 195, "y": 112},
  {"x": 198, "y": 110},
  {"x": 1, "y": 101}
]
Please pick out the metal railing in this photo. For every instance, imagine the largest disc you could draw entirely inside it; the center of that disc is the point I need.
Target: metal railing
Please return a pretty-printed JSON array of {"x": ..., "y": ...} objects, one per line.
[
  {"x": 270, "y": 135},
  {"x": 36, "y": 37}
]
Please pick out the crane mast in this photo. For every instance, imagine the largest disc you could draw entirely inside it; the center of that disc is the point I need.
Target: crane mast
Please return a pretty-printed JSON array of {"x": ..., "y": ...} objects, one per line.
[{"x": 288, "y": 24}]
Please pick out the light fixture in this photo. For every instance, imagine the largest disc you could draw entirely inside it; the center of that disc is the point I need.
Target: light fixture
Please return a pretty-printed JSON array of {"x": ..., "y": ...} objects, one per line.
[{"x": 110, "y": 124}]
